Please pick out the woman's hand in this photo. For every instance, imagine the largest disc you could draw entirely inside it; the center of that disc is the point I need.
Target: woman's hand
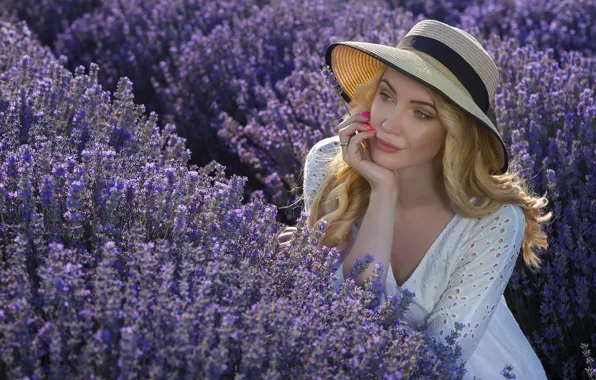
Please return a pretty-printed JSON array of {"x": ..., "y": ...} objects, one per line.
[
  {"x": 286, "y": 236},
  {"x": 378, "y": 177}
]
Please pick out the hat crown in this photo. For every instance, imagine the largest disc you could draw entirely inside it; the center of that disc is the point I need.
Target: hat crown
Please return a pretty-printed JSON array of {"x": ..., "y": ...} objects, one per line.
[{"x": 465, "y": 45}]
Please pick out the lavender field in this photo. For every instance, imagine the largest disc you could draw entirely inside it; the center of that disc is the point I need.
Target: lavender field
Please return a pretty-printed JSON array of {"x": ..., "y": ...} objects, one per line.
[{"x": 151, "y": 151}]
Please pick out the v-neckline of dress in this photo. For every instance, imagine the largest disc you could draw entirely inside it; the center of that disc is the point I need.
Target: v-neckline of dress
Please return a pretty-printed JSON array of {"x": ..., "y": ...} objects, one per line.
[{"x": 425, "y": 257}]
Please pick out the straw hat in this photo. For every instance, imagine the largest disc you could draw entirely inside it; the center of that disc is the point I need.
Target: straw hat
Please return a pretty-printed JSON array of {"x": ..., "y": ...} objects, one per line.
[{"x": 447, "y": 59}]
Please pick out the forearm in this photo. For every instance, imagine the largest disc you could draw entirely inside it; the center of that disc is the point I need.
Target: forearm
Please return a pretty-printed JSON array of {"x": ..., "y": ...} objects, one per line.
[{"x": 375, "y": 236}]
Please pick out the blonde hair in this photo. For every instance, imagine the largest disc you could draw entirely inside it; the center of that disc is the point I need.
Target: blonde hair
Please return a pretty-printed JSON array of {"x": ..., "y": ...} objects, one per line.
[{"x": 468, "y": 157}]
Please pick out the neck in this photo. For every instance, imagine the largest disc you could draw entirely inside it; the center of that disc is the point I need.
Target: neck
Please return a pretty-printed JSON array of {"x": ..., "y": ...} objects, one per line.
[{"x": 421, "y": 189}]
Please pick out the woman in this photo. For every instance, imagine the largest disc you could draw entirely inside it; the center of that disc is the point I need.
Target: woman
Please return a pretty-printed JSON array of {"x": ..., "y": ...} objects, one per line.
[{"x": 430, "y": 196}]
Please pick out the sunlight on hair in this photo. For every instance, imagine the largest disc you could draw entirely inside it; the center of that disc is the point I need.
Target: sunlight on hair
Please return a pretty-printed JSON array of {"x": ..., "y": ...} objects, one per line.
[{"x": 470, "y": 159}]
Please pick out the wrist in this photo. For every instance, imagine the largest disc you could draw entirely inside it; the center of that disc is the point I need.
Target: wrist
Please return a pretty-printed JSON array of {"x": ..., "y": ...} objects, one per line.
[{"x": 384, "y": 194}]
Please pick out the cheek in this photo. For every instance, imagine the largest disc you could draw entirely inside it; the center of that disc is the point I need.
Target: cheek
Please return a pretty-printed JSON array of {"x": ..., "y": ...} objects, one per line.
[
  {"x": 431, "y": 139},
  {"x": 380, "y": 105},
  {"x": 375, "y": 108},
  {"x": 437, "y": 139}
]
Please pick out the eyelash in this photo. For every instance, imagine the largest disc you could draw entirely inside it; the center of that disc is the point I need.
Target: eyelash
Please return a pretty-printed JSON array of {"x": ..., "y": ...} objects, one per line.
[{"x": 424, "y": 117}]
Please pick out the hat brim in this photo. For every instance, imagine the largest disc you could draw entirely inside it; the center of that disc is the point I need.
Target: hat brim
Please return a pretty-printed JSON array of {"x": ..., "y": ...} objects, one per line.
[{"x": 354, "y": 63}]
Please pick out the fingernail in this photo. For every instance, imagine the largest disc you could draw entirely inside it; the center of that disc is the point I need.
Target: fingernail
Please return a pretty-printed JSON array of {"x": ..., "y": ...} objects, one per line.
[{"x": 366, "y": 114}]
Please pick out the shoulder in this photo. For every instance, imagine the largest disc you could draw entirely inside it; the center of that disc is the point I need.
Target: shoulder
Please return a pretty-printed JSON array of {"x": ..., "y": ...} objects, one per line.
[
  {"x": 493, "y": 240},
  {"x": 316, "y": 167},
  {"x": 319, "y": 157},
  {"x": 508, "y": 215},
  {"x": 505, "y": 224},
  {"x": 326, "y": 145}
]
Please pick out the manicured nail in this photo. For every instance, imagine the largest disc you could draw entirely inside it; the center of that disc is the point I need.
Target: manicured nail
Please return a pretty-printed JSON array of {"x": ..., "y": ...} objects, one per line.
[{"x": 366, "y": 114}]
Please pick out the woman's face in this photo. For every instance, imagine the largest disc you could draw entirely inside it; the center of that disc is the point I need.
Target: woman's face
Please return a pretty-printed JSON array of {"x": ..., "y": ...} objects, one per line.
[{"x": 404, "y": 115}]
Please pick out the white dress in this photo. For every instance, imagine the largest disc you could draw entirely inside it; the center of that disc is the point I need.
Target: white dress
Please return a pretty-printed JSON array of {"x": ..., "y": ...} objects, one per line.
[{"x": 461, "y": 278}]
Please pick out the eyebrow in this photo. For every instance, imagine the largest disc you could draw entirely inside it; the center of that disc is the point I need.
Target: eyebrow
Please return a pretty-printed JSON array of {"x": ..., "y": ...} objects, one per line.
[{"x": 411, "y": 101}]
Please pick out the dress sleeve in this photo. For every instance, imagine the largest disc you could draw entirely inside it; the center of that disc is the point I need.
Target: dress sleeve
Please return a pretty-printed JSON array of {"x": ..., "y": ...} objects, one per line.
[
  {"x": 477, "y": 284},
  {"x": 315, "y": 168}
]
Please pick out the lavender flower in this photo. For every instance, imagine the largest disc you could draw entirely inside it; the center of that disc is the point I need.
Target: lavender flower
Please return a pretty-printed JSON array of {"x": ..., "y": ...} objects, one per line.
[
  {"x": 590, "y": 370},
  {"x": 361, "y": 265},
  {"x": 507, "y": 373},
  {"x": 119, "y": 259}
]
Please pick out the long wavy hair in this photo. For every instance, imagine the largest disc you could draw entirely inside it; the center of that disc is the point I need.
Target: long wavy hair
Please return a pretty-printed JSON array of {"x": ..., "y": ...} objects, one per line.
[{"x": 468, "y": 157}]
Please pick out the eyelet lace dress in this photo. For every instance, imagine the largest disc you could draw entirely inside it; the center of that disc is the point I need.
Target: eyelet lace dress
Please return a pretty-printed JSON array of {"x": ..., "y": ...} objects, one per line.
[{"x": 461, "y": 278}]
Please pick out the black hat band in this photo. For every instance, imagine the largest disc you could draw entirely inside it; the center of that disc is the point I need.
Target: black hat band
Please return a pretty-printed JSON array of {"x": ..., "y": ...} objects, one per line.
[{"x": 452, "y": 61}]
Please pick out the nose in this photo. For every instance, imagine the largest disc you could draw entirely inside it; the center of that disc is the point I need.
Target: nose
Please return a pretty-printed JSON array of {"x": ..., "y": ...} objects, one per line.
[{"x": 394, "y": 121}]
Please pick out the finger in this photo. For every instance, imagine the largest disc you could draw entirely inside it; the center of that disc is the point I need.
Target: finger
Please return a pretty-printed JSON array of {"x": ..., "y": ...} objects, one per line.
[
  {"x": 361, "y": 136},
  {"x": 348, "y": 132},
  {"x": 354, "y": 118},
  {"x": 351, "y": 128},
  {"x": 355, "y": 141},
  {"x": 286, "y": 235}
]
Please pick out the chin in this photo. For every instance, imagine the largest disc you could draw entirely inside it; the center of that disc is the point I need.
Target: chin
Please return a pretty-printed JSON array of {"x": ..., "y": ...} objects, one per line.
[{"x": 386, "y": 162}]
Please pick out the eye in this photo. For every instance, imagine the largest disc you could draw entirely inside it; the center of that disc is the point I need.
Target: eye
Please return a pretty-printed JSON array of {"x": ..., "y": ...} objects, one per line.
[
  {"x": 384, "y": 96},
  {"x": 421, "y": 115}
]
